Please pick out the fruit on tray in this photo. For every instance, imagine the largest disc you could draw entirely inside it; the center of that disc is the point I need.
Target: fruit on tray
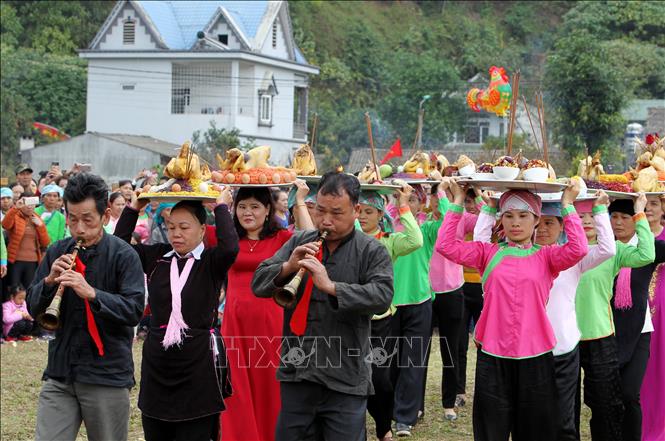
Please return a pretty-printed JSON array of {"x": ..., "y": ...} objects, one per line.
[
  {"x": 258, "y": 175},
  {"x": 485, "y": 168},
  {"x": 535, "y": 163},
  {"x": 606, "y": 179}
]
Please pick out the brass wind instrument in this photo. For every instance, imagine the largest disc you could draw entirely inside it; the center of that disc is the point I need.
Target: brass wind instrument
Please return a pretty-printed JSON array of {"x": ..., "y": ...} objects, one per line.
[
  {"x": 286, "y": 295},
  {"x": 49, "y": 319}
]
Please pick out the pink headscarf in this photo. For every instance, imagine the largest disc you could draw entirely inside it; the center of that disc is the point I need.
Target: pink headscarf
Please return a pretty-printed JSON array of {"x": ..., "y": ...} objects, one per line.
[
  {"x": 520, "y": 200},
  {"x": 584, "y": 206}
]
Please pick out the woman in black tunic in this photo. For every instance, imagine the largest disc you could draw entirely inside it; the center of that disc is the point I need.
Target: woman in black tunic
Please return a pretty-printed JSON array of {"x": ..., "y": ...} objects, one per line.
[{"x": 181, "y": 395}]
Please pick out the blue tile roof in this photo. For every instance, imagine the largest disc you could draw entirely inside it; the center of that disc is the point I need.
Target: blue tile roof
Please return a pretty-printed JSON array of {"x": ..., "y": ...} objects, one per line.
[{"x": 179, "y": 21}]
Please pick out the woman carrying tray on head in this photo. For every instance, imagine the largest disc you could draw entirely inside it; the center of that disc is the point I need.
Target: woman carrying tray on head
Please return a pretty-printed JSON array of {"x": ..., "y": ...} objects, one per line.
[
  {"x": 599, "y": 357},
  {"x": 252, "y": 326},
  {"x": 515, "y": 389},
  {"x": 653, "y": 386},
  {"x": 375, "y": 222},
  {"x": 181, "y": 392},
  {"x": 561, "y": 304}
]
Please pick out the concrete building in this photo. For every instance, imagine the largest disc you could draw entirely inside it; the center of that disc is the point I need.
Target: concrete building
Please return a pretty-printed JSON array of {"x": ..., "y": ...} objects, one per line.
[
  {"x": 167, "y": 68},
  {"x": 112, "y": 156}
]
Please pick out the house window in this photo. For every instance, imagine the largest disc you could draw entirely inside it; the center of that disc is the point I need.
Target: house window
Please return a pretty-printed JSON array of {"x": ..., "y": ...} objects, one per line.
[
  {"x": 502, "y": 130},
  {"x": 128, "y": 87},
  {"x": 129, "y": 31},
  {"x": 274, "y": 35},
  {"x": 265, "y": 109},
  {"x": 476, "y": 132},
  {"x": 180, "y": 99},
  {"x": 224, "y": 39}
]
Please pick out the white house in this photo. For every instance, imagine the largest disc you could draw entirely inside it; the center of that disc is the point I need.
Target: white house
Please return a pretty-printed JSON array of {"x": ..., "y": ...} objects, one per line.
[{"x": 167, "y": 68}]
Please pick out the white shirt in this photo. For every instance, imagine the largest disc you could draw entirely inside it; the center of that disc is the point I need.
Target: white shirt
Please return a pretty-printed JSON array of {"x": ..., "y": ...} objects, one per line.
[{"x": 196, "y": 252}]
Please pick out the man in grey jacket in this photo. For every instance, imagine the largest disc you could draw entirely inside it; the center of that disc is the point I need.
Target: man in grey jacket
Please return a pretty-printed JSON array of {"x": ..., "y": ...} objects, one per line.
[{"x": 325, "y": 374}]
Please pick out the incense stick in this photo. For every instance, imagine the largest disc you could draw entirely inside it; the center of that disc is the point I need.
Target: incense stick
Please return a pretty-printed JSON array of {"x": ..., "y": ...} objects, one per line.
[
  {"x": 541, "y": 118},
  {"x": 513, "y": 110},
  {"x": 528, "y": 114},
  {"x": 371, "y": 145}
]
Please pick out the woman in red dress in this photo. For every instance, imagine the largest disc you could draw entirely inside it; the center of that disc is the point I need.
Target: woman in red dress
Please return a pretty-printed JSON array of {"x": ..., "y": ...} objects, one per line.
[{"x": 252, "y": 326}]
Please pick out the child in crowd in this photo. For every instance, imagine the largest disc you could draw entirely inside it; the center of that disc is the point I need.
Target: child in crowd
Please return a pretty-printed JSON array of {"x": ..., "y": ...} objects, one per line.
[{"x": 17, "y": 323}]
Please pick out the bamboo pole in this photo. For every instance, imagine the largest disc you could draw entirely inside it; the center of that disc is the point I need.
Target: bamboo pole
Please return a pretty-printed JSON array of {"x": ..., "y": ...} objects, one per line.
[
  {"x": 528, "y": 114},
  {"x": 315, "y": 124},
  {"x": 368, "y": 121},
  {"x": 513, "y": 111}
]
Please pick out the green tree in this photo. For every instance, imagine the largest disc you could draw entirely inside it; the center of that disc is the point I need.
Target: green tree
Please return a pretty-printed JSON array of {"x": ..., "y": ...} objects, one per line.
[
  {"x": 218, "y": 140},
  {"x": 15, "y": 120},
  {"x": 10, "y": 25},
  {"x": 586, "y": 92}
]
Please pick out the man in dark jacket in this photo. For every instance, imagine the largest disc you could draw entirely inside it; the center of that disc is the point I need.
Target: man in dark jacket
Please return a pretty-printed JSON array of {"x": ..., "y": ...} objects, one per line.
[
  {"x": 90, "y": 368},
  {"x": 325, "y": 375}
]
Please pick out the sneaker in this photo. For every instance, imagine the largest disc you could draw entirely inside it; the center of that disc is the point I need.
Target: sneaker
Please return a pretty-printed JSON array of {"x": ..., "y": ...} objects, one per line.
[
  {"x": 25, "y": 338},
  {"x": 460, "y": 400},
  {"x": 421, "y": 415},
  {"x": 402, "y": 430},
  {"x": 47, "y": 336},
  {"x": 449, "y": 414},
  {"x": 10, "y": 339}
]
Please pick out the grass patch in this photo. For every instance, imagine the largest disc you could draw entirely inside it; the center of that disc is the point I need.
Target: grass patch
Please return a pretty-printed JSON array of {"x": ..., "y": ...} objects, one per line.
[{"x": 22, "y": 365}]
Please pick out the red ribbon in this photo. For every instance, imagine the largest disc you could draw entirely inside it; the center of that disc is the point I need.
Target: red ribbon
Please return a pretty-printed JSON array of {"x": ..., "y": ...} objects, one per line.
[
  {"x": 298, "y": 321},
  {"x": 92, "y": 326}
]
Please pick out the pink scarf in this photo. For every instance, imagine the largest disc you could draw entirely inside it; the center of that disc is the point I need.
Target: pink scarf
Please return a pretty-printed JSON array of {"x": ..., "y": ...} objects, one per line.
[
  {"x": 622, "y": 297},
  {"x": 175, "y": 330}
]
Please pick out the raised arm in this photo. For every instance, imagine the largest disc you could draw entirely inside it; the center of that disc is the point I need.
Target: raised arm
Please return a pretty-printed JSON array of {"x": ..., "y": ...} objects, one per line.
[
  {"x": 411, "y": 238},
  {"x": 482, "y": 232},
  {"x": 565, "y": 256},
  {"x": 645, "y": 251},
  {"x": 227, "y": 248},
  {"x": 606, "y": 247}
]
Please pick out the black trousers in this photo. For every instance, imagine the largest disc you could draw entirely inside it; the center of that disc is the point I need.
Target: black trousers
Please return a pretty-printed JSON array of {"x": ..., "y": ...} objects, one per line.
[
  {"x": 449, "y": 308},
  {"x": 199, "y": 429},
  {"x": 311, "y": 411},
  {"x": 515, "y": 397},
  {"x": 473, "y": 305},
  {"x": 566, "y": 377},
  {"x": 412, "y": 325},
  {"x": 632, "y": 374},
  {"x": 602, "y": 388},
  {"x": 21, "y": 328},
  {"x": 380, "y": 405},
  {"x": 21, "y": 272}
]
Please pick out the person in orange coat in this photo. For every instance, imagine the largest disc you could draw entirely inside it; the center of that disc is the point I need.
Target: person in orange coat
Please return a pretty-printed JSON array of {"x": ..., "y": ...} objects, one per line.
[{"x": 27, "y": 237}]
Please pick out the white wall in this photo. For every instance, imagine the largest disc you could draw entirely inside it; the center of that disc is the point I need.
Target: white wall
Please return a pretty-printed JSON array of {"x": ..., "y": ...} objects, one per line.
[
  {"x": 147, "y": 109},
  {"x": 223, "y": 28},
  {"x": 281, "y": 50},
  {"x": 113, "y": 38}
]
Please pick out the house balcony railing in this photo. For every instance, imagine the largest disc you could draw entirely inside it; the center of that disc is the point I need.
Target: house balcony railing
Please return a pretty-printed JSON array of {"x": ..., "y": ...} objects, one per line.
[{"x": 299, "y": 130}]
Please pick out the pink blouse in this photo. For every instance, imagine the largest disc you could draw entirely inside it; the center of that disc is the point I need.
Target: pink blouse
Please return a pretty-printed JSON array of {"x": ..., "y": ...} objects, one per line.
[{"x": 516, "y": 283}]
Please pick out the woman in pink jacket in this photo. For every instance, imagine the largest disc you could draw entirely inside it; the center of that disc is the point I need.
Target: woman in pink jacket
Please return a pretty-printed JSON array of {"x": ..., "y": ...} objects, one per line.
[
  {"x": 515, "y": 390},
  {"x": 17, "y": 323}
]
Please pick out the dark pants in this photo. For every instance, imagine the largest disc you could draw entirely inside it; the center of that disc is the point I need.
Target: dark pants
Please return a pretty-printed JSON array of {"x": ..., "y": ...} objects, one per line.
[
  {"x": 515, "y": 397},
  {"x": 21, "y": 328},
  {"x": 602, "y": 388},
  {"x": 566, "y": 377},
  {"x": 311, "y": 411},
  {"x": 199, "y": 429},
  {"x": 473, "y": 305},
  {"x": 380, "y": 405},
  {"x": 21, "y": 273},
  {"x": 449, "y": 308},
  {"x": 412, "y": 325},
  {"x": 632, "y": 374}
]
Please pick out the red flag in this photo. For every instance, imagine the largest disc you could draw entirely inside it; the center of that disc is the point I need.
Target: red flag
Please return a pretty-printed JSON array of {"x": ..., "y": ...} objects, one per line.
[
  {"x": 394, "y": 152},
  {"x": 92, "y": 326},
  {"x": 49, "y": 131}
]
